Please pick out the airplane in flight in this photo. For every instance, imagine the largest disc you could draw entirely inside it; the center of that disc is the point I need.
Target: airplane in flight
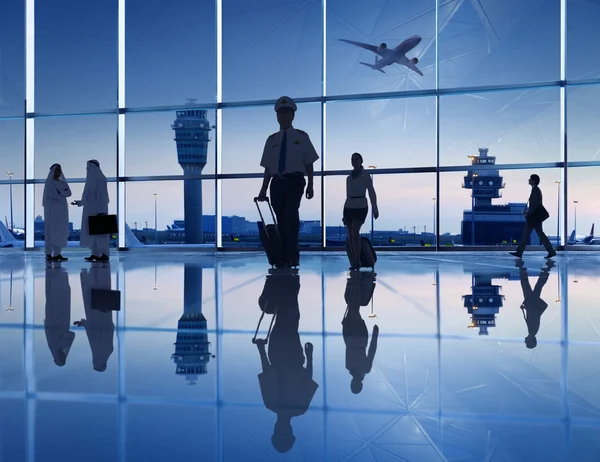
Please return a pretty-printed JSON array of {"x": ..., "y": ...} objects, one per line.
[
  {"x": 391, "y": 56},
  {"x": 582, "y": 239}
]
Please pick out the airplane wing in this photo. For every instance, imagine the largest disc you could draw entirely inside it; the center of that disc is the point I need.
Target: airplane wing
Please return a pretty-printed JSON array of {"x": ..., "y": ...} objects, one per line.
[
  {"x": 366, "y": 46},
  {"x": 408, "y": 44}
]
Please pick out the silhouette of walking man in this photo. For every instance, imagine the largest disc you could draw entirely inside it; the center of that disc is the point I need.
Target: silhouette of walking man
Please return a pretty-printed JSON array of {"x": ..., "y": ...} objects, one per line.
[
  {"x": 288, "y": 155},
  {"x": 535, "y": 215},
  {"x": 359, "y": 290},
  {"x": 533, "y": 306},
  {"x": 287, "y": 387}
]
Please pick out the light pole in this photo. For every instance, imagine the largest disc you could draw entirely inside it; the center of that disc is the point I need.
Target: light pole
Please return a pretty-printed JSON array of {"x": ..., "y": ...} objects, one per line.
[
  {"x": 474, "y": 182},
  {"x": 558, "y": 213},
  {"x": 155, "y": 220},
  {"x": 434, "y": 233},
  {"x": 10, "y": 174},
  {"x": 575, "y": 202},
  {"x": 372, "y": 219}
]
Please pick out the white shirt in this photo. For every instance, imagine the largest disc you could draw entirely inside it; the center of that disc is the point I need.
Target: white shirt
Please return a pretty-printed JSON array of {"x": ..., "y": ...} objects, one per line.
[
  {"x": 299, "y": 152},
  {"x": 356, "y": 189}
]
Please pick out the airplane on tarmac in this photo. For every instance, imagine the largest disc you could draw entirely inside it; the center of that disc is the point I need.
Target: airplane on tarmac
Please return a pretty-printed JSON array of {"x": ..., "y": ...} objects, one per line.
[
  {"x": 391, "y": 56},
  {"x": 582, "y": 239},
  {"x": 17, "y": 232}
]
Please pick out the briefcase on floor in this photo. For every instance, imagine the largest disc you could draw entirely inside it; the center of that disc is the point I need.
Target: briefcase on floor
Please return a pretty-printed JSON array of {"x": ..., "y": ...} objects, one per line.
[
  {"x": 106, "y": 300},
  {"x": 103, "y": 224}
]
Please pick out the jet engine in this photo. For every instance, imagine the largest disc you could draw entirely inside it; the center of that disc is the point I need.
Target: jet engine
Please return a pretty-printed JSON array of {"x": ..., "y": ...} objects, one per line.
[
  {"x": 414, "y": 60},
  {"x": 382, "y": 47}
]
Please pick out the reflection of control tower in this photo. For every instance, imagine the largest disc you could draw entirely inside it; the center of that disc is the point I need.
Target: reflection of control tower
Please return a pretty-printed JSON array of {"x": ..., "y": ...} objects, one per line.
[
  {"x": 191, "y": 348},
  {"x": 485, "y": 301},
  {"x": 487, "y": 224},
  {"x": 191, "y": 135}
]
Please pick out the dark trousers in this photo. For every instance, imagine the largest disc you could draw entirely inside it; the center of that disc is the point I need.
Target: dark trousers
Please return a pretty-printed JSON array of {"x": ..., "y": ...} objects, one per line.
[
  {"x": 286, "y": 194},
  {"x": 537, "y": 226}
]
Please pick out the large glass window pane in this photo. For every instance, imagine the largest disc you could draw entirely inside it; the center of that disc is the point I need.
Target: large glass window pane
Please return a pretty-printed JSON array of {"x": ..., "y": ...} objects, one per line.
[
  {"x": 487, "y": 42},
  {"x": 582, "y": 206},
  {"x": 520, "y": 126},
  {"x": 240, "y": 215},
  {"x": 392, "y": 43},
  {"x": 170, "y": 52},
  {"x": 156, "y": 212},
  {"x": 406, "y": 210},
  {"x": 271, "y": 49},
  {"x": 12, "y": 211},
  {"x": 170, "y": 143},
  {"x": 76, "y": 45},
  {"x": 72, "y": 141},
  {"x": 12, "y": 152},
  {"x": 498, "y": 212},
  {"x": 12, "y": 58},
  {"x": 583, "y": 120},
  {"x": 75, "y": 214},
  {"x": 245, "y": 132},
  {"x": 388, "y": 133},
  {"x": 583, "y": 39}
]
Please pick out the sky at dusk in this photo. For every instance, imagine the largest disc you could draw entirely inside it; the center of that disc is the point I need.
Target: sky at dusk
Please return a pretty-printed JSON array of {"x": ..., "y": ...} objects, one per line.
[{"x": 275, "y": 47}]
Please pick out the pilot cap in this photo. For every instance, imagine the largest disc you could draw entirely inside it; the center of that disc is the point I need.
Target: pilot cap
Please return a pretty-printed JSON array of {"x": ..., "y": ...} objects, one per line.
[{"x": 283, "y": 102}]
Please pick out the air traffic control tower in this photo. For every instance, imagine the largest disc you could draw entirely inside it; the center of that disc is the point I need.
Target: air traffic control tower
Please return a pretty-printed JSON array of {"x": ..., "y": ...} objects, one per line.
[{"x": 191, "y": 135}]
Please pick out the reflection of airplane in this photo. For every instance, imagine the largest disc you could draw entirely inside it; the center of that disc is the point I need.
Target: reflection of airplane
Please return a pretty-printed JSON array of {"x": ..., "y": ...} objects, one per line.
[
  {"x": 391, "y": 56},
  {"x": 582, "y": 239}
]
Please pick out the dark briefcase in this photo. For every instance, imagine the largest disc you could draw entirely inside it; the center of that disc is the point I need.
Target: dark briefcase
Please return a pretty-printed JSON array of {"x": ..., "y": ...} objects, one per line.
[
  {"x": 106, "y": 300},
  {"x": 539, "y": 216},
  {"x": 103, "y": 224}
]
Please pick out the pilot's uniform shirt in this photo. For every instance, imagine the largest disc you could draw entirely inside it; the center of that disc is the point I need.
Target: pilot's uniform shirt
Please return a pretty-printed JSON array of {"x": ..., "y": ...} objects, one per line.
[{"x": 299, "y": 152}]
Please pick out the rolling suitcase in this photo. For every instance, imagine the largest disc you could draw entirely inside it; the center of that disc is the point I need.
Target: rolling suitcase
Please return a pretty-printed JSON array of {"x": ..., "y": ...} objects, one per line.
[
  {"x": 269, "y": 235},
  {"x": 368, "y": 257}
]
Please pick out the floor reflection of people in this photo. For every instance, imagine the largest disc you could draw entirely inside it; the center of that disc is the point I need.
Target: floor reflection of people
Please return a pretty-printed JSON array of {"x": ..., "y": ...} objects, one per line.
[
  {"x": 99, "y": 326},
  {"x": 533, "y": 306},
  {"x": 359, "y": 291},
  {"x": 57, "y": 321},
  {"x": 287, "y": 387}
]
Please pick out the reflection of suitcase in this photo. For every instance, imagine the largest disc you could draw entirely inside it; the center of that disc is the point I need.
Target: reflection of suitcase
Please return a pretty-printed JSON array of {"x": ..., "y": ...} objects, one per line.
[
  {"x": 269, "y": 235},
  {"x": 106, "y": 300},
  {"x": 368, "y": 257},
  {"x": 258, "y": 327}
]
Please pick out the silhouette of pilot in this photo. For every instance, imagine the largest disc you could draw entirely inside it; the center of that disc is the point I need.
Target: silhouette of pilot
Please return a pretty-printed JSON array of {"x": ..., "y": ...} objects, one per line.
[
  {"x": 533, "y": 306},
  {"x": 287, "y": 387},
  {"x": 359, "y": 290},
  {"x": 98, "y": 324},
  {"x": 57, "y": 321}
]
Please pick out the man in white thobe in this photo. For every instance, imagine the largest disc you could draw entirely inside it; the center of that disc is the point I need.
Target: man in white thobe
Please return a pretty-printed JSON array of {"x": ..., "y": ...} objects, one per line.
[
  {"x": 94, "y": 201},
  {"x": 56, "y": 213}
]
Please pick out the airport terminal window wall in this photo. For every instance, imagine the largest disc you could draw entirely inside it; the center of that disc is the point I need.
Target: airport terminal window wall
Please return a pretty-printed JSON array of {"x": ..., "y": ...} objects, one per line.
[{"x": 112, "y": 85}]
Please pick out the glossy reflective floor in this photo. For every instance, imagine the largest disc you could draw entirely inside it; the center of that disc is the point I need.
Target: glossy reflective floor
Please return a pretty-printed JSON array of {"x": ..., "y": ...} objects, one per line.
[{"x": 387, "y": 366}]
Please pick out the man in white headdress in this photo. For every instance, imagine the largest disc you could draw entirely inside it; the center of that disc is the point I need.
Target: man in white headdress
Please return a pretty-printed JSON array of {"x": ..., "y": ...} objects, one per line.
[
  {"x": 56, "y": 213},
  {"x": 95, "y": 202}
]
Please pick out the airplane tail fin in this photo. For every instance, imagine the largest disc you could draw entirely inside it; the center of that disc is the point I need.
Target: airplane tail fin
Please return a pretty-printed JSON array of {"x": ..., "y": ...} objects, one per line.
[
  {"x": 130, "y": 239},
  {"x": 572, "y": 237},
  {"x": 592, "y": 231},
  {"x": 372, "y": 67},
  {"x": 6, "y": 236}
]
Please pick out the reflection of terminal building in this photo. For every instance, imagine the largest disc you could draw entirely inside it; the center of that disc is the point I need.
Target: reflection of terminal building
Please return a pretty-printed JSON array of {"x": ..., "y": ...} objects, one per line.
[
  {"x": 192, "y": 353},
  {"x": 484, "y": 301},
  {"x": 487, "y": 224}
]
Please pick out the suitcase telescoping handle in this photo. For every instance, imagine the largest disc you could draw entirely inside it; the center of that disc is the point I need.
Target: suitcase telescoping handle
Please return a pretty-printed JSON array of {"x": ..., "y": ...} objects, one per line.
[{"x": 265, "y": 199}]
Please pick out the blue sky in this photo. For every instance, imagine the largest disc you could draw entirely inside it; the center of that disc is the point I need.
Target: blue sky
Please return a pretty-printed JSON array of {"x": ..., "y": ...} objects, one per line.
[{"x": 275, "y": 47}]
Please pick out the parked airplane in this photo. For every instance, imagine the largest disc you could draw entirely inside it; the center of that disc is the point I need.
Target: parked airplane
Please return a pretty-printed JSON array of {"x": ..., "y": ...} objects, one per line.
[
  {"x": 17, "y": 232},
  {"x": 582, "y": 239},
  {"x": 391, "y": 56}
]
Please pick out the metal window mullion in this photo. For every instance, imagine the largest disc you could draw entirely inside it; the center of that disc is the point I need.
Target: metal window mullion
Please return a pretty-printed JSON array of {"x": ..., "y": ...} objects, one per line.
[
  {"x": 218, "y": 126},
  {"x": 29, "y": 122},
  {"x": 121, "y": 189}
]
